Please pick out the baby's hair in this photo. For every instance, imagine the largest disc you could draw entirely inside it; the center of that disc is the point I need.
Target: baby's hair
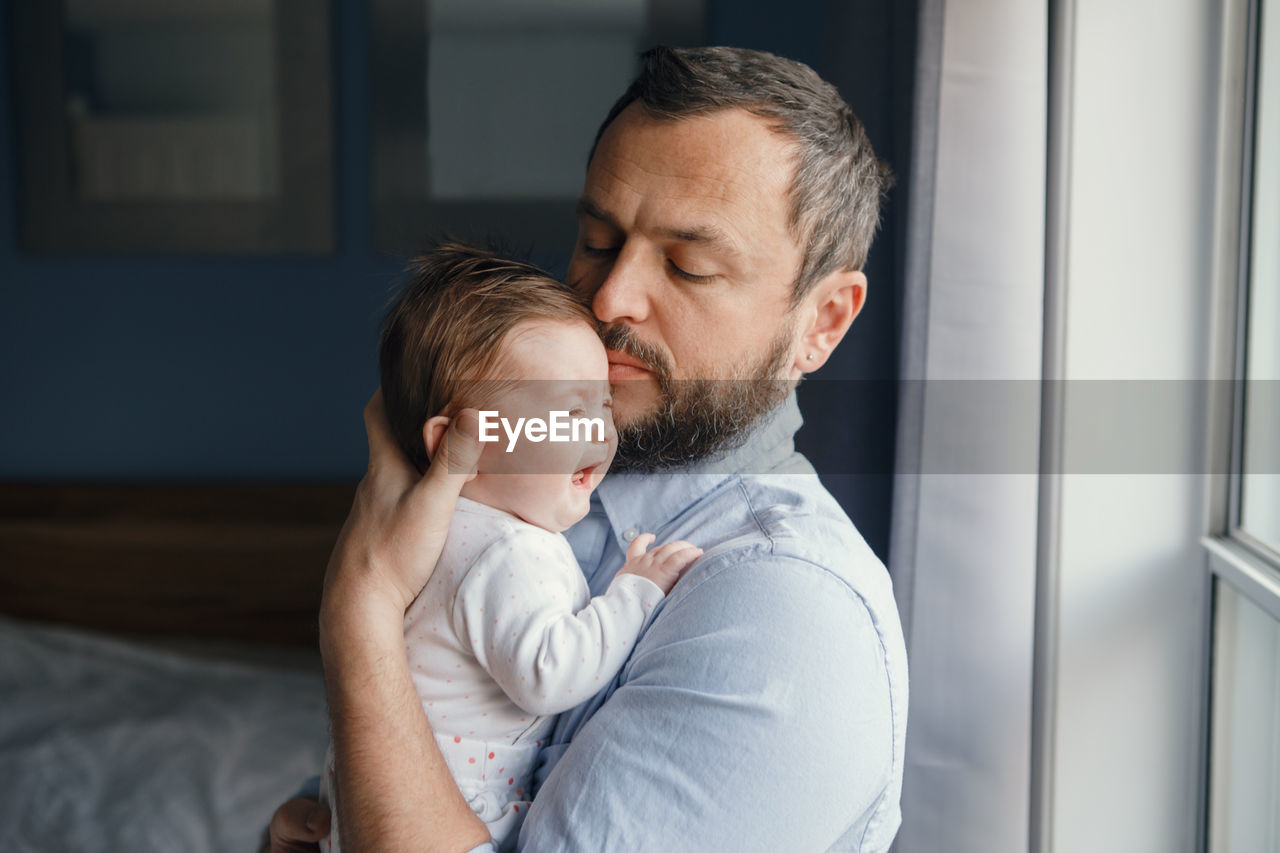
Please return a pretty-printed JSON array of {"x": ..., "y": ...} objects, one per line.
[{"x": 445, "y": 330}]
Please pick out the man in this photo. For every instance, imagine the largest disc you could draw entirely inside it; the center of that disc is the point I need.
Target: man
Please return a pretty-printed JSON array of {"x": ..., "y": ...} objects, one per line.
[{"x": 728, "y": 208}]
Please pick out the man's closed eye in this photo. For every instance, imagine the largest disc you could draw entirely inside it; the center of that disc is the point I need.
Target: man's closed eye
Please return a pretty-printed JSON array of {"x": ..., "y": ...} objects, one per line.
[{"x": 689, "y": 276}]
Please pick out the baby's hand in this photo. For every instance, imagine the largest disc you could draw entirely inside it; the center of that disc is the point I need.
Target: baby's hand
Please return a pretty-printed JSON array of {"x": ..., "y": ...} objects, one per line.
[{"x": 663, "y": 565}]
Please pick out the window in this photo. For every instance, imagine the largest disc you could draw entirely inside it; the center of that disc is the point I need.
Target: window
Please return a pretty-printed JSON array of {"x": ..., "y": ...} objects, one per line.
[
  {"x": 1260, "y": 481},
  {"x": 1246, "y": 725},
  {"x": 1244, "y": 732}
]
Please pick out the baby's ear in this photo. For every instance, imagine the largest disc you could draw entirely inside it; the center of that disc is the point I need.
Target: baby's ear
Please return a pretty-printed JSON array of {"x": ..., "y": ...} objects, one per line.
[{"x": 432, "y": 432}]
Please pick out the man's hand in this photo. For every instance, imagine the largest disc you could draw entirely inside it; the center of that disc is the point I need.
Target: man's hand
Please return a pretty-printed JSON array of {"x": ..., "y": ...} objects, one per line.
[
  {"x": 663, "y": 565},
  {"x": 397, "y": 792},
  {"x": 398, "y": 522},
  {"x": 297, "y": 827}
]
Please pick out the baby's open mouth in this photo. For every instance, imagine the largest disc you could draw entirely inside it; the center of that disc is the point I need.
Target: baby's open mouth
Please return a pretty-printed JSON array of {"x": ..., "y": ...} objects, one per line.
[{"x": 582, "y": 477}]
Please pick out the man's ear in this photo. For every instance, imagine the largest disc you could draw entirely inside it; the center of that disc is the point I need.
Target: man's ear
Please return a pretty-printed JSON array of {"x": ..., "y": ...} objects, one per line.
[
  {"x": 432, "y": 433},
  {"x": 830, "y": 310}
]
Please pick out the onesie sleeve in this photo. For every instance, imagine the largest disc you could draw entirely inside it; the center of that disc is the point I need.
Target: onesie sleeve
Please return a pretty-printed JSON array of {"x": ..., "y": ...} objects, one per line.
[{"x": 525, "y": 612}]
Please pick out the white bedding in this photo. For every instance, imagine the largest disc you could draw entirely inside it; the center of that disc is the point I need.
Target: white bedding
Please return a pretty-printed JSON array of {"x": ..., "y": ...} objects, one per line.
[{"x": 108, "y": 745}]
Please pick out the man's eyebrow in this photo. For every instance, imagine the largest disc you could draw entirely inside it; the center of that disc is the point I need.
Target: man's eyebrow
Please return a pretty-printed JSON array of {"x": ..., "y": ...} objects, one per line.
[
  {"x": 708, "y": 235},
  {"x": 587, "y": 207}
]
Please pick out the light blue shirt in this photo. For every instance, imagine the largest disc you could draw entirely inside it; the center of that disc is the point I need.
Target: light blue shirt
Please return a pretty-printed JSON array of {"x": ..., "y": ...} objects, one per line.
[{"x": 765, "y": 704}]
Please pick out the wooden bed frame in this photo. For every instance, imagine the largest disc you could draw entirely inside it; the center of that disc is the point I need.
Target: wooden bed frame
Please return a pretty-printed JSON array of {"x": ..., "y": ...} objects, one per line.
[{"x": 231, "y": 561}]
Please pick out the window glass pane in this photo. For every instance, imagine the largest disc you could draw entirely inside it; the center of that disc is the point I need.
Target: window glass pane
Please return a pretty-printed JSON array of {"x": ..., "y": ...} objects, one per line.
[
  {"x": 170, "y": 101},
  {"x": 1260, "y": 499},
  {"x": 1245, "y": 780}
]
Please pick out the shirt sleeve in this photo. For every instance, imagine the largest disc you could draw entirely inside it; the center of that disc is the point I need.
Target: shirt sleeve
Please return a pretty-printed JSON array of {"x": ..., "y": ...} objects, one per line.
[
  {"x": 756, "y": 714},
  {"x": 524, "y": 611}
]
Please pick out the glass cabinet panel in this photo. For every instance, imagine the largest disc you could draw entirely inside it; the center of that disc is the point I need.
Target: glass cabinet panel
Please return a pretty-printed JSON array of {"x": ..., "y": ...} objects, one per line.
[
  {"x": 171, "y": 100},
  {"x": 485, "y": 110},
  {"x": 152, "y": 125}
]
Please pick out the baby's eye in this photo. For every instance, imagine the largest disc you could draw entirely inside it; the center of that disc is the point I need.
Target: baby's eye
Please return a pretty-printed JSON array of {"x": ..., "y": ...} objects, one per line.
[{"x": 577, "y": 412}]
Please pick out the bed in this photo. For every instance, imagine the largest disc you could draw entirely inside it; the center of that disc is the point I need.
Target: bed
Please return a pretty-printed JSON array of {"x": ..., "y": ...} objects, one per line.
[{"x": 160, "y": 689}]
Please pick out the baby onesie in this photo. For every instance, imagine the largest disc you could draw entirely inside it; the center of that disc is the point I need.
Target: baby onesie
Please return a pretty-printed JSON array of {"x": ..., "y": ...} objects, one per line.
[{"x": 504, "y": 636}]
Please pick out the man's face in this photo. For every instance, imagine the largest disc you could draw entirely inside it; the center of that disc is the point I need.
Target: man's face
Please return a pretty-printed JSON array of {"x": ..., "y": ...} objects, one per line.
[{"x": 684, "y": 247}]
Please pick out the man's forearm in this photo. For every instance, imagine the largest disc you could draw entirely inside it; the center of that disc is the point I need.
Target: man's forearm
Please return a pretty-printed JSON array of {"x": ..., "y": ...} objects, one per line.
[{"x": 395, "y": 792}]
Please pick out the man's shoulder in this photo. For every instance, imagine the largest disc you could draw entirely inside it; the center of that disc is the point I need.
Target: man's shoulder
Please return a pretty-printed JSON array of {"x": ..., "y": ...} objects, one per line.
[
  {"x": 760, "y": 522},
  {"x": 782, "y": 535}
]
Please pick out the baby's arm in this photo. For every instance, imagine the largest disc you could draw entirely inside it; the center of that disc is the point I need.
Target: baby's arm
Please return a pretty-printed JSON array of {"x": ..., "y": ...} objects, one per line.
[{"x": 521, "y": 610}]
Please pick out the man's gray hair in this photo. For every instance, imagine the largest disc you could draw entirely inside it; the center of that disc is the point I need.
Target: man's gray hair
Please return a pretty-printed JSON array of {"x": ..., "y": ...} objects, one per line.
[{"x": 838, "y": 183}]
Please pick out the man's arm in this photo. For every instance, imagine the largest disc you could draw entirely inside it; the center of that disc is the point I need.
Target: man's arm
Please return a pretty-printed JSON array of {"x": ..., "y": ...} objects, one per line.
[
  {"x": 755, "y": 715},
  {"x": 395, "y": 792}
]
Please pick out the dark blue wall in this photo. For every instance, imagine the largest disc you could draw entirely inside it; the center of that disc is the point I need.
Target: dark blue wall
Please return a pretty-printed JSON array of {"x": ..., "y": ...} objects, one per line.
[
  {"x": 866, "y": 48},
  {"x": 188, "y": 368},
  {"x": 141, "y": 368}
]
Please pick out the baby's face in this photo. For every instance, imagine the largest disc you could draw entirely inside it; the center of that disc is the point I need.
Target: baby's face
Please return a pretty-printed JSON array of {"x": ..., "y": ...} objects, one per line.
[{"x": 551, "y": 367}]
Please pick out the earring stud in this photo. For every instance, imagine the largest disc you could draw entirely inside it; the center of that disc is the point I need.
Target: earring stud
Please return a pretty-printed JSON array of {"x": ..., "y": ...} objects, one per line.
[{"x": 809, "y": 357}]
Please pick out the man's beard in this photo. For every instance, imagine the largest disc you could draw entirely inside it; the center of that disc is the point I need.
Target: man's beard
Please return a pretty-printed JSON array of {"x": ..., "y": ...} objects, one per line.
[{"x": 697, "y": 418}]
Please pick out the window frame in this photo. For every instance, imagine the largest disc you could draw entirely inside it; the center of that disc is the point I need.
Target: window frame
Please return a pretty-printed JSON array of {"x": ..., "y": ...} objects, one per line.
[
  {"x": 1233, "y": 556},
  {"x": 1232, "y": 552}
]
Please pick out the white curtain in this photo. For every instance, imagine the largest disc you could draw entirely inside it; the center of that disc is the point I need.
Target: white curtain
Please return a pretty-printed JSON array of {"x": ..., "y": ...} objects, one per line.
[{"x": 964, "y": 539}]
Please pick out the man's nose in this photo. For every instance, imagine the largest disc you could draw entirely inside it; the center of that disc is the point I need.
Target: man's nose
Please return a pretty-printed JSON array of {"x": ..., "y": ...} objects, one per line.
[{"x": 623, "y": 296}]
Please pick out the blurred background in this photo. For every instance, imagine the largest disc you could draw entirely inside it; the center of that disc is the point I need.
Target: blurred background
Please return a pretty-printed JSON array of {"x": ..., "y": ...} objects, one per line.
[
  {"x": 1056, "y": 420},
  {"x": 205, "y": 206}
]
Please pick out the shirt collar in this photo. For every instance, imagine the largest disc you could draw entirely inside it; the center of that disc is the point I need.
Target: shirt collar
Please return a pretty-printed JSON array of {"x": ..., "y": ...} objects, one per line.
[{"x": 644, "y": 503}]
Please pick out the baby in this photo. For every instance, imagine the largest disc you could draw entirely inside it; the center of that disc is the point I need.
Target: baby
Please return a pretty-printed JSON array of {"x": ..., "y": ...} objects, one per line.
[{"x": 505, "y": 634}]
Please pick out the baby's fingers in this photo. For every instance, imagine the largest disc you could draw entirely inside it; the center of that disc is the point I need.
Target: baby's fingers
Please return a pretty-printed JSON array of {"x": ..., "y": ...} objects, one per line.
[
  {"x": 636, "y": 549},
  {"x": 676, "y": 556}
]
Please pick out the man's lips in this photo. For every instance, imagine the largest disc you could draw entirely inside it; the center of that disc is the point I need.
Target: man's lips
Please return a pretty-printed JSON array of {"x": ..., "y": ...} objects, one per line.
[{"x": 623, "y": 367}]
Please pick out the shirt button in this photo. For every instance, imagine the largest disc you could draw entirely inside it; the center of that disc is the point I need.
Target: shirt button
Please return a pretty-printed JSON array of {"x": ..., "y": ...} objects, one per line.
[{"x": 629, "y": 534}]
